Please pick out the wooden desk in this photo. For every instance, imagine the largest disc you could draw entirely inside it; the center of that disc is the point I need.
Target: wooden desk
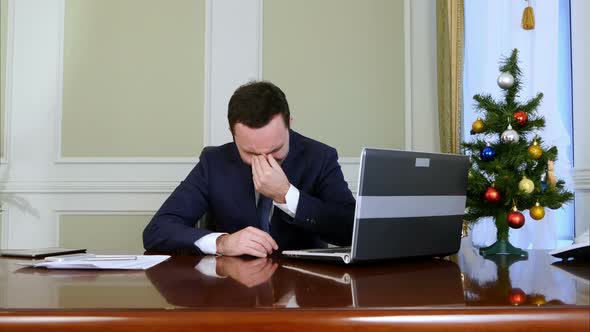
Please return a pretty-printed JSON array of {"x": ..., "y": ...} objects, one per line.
[{"x": 283, "y": 294}]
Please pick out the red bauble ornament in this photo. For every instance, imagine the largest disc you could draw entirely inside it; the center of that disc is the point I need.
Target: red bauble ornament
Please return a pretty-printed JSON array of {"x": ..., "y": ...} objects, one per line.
[
  {"x": 515, "y": 219},
  {"x": 521, "y": 118},
  {"x": 516, "y": 296},
  {"x": 492, "y": 195}
]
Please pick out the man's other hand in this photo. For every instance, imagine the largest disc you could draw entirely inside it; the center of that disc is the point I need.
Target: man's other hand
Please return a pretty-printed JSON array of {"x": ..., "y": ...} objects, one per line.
[
  {"x": 248, "y": 241},
  {"x": 269, "y": 178}
]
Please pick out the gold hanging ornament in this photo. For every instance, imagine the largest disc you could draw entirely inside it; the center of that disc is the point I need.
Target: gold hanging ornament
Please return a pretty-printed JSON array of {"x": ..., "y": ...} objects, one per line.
[
  {"x": 477, "y": 127},
  {"x": 526, "y": 185},
  {"x": 537, "y": 212},
  {"x": 537, "y": 299},
  {"x": 551, "y": 178},
  {"x": 535, "y": 151},
  {"x": 528, "y": 17}
]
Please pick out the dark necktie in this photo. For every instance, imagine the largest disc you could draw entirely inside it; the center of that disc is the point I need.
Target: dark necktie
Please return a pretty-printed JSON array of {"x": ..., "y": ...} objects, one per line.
[{"x": 263, "y": 212}]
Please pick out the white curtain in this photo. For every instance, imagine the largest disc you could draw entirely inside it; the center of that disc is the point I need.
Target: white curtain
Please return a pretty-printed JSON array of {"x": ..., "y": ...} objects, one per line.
[{"x": 492, "y": 30}]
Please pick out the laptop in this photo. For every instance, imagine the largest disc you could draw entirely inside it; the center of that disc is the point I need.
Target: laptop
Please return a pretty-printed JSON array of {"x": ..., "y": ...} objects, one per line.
[{"x": 409, "y": 204}]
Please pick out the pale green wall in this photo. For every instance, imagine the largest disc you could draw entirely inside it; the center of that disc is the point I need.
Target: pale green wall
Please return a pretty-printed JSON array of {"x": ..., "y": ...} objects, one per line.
[
  {"x": 133, "y": 78},
  {"x": 3, "y": 35},
  {"x": 116, "y": 232},
  {"x": 341, "y": 65}
]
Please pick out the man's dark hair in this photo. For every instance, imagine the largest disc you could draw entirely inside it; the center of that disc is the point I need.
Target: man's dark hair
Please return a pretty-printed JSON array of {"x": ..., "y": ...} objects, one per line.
[{"x": 254, "y": 104}]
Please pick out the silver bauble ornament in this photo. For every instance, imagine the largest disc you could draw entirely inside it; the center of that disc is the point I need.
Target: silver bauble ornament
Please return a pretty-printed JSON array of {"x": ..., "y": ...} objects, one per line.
[
  {"x": 505, "y": 80},
  {"x": 509, "y": 135}
]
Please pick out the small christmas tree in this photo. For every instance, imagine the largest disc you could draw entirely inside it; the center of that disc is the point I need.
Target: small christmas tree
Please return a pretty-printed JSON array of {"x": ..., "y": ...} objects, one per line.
[{"x": 511, "y": 169}]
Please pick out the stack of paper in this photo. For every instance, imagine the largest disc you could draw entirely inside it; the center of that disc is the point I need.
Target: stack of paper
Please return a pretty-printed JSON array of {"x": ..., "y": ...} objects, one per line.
[{"x": 97, "y": 262}]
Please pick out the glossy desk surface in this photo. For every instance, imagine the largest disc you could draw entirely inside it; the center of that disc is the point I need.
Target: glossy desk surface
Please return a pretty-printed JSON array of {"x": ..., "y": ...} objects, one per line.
[{"x": 467, "y": 292}]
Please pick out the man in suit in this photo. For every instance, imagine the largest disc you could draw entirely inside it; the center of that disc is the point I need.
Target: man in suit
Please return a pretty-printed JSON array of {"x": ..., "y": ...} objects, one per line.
[{"x": 270, "y": 188}]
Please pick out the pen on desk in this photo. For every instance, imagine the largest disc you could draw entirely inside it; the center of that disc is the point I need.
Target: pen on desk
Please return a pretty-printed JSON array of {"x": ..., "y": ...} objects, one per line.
[
  {"x": 111, "y": 258},
  {"x": 73, "y": 257},
  {"x": 91, "y": 257}
]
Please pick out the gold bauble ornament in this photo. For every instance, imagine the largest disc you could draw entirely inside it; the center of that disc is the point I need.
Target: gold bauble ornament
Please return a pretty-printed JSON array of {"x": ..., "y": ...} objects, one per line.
[
  {"x": 537, "y": 212},
  {"x": 477, "y": 126},
  {"x": 535, "y": 151},
  {"x": 526, "y": 185},
  {"x": 537, "y": 299}
]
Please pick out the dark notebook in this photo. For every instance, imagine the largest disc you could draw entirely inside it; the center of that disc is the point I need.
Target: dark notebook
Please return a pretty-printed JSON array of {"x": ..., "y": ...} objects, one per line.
[{"x": 39, "y": 252}]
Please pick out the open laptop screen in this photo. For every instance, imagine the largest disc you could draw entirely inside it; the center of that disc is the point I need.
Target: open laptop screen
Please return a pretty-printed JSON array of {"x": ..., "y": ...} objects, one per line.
[{"x": 409, "y": 204}]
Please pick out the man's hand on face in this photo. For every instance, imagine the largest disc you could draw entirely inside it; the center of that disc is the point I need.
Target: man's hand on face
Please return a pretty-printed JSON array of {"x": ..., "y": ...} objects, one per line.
[
  {"x": 269, "y": 178},
  {"x": 248, "y": 241}
]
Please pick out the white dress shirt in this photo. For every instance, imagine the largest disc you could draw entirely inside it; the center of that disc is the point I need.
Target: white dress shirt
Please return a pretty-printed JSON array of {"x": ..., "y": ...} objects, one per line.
[{"x": 208, "y": 243}]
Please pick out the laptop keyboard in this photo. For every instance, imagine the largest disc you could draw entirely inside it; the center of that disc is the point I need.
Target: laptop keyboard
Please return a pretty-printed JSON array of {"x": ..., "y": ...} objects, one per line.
[{"x": 331, "y": 250}]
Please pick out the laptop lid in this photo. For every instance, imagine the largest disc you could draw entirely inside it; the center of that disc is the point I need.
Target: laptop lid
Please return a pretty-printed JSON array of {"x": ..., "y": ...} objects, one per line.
[{"x": 409, "y": 204}]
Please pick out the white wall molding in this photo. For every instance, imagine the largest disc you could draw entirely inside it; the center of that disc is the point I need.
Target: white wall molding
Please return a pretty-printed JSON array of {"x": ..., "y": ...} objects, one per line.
[
  {"x": 208, "y": 73},
  {"x": 149, "y": 181},
  {"x": 260, "y": 38},
  {"x": 233, "y": 57},
  {"x": 128, "y": 160},
  {"x": 581, "y": 177},
  {"x": 5, "y": 217},
  {"x": 34, "y": 86},
  {"x": 8, "y": 81},
  {"x": 409, "y": 123},
  {"x": 349, "y": 161},
  {"x": 580, "y": 41},
  {"x": 421, "y": 77},
  {"x": 350, "y": 170},
  {"x": 30, "y": 220},
  {"x": 59, "y": 86},
  {"x": 88, "y": 186}
]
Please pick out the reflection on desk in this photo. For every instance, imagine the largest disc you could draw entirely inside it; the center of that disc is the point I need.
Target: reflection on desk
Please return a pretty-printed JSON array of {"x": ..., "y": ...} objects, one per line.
[
  {"x": 515, "y": 280},
  {"x": 427, "y": 282},
  {"x": 473, "y": 294},
  {"x": 33, "y": 288},
  {"x": 404, "y": 284},
  {"x": 290, "y": 283}
]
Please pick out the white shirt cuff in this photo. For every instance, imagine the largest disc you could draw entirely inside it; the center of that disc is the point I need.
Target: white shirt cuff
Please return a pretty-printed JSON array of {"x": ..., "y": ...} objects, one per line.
[
  {"x": 292, "y": 199},
  {"x": 208, "y": 266},
  {"x": 208, "y": 243}
]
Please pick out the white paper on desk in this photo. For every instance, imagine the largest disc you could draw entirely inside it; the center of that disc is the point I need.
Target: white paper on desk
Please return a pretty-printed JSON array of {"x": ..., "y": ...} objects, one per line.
[{"x": 143, "y": 262}]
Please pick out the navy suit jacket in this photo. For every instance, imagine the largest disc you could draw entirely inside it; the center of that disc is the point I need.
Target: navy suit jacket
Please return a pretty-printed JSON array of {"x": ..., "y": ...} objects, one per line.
[{"x": 221, "y": 185}]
